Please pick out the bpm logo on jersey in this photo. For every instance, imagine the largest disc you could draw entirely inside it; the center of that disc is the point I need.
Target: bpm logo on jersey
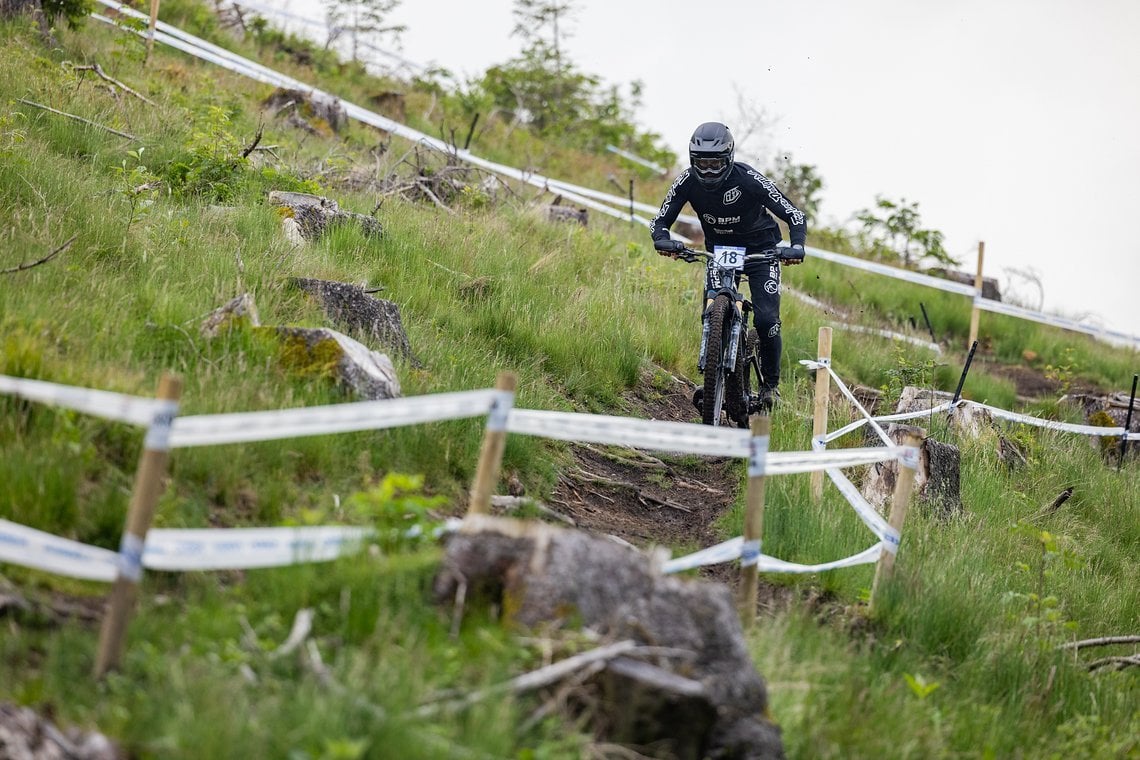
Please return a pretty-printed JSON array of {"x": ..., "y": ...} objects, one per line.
[{"x": 731, "y": 196}]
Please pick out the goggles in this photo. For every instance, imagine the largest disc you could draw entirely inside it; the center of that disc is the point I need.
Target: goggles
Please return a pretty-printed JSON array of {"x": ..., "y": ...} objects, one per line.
[{"x": 710, "y": 165}]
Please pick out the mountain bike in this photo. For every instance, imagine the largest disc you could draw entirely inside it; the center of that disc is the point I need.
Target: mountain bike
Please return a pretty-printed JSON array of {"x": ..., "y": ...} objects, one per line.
[{"x": 728, "y": 359}]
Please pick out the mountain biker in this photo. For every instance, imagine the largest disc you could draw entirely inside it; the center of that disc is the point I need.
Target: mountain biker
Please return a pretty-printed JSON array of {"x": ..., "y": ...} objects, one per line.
[{"x": 735, "y": 204}]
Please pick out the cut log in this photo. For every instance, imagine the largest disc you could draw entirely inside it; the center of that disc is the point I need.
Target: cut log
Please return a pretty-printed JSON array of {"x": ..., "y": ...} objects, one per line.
[
  {"x": 966, "y": 419},
  {"x": 24, "y": 734},
  {"x": 350, "y": 307},
  {"x": 543, "y": 576}
]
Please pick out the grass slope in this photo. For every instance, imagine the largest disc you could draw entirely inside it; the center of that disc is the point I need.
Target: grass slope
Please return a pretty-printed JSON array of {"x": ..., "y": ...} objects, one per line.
[{"x": 962, "y": 662}]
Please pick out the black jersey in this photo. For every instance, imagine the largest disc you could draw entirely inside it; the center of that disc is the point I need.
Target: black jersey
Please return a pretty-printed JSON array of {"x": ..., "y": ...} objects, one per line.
[{"x": 736, "y": 213}]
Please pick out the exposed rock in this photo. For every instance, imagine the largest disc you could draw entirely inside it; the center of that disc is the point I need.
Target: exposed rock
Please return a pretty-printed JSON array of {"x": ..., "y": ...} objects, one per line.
[
  {"x": 238, "y": 312},
  {"x": 314, "y": 213},
  {"x": 349, "y": 306},
  {"x": 543, "y": 576},
  {"x": 390, "y": 104},
  {"x": 1110, "y": 411},
  {"x": 314, "y": 112},
  {"x": 24, "y": 735},
  {"x": 990, "y": 287},
  {"x": 557, "y": 213},
  {"x": 328, "y": 353}
]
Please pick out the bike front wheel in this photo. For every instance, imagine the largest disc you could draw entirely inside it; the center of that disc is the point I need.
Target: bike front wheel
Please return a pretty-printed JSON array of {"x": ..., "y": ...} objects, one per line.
[{"x": 712, "y": 399}]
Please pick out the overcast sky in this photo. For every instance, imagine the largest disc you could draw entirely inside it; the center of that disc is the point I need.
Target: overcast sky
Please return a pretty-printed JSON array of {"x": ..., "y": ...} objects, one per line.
[{"x": 1016, "y": 122}]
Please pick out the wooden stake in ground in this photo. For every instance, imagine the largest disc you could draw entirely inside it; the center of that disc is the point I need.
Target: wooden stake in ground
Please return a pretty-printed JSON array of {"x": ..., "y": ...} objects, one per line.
[
  {"x": 904, "y": 484},
  {"x": 153, "y": 26},
  {"x": 753, "y": 517},
  {"x": 976, "y": 314},
  {"x": 494, "y": 441},
  {"x": 148, "y": 487},
  {"x": 822, "y": 390}
]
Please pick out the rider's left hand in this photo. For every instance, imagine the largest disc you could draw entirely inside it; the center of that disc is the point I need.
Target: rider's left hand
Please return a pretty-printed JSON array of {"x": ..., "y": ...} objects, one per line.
[{"x": 796, "y": 254}]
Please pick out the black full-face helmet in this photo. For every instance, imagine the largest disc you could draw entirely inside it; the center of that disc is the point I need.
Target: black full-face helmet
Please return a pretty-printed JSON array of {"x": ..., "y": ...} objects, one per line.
[{"x": 711, "y": 151}]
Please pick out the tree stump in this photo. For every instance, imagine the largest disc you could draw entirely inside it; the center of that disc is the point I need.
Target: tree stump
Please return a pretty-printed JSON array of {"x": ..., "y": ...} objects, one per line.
[
  {"x": 313, "y": 112},
  {"x": 936, "y": 481}
]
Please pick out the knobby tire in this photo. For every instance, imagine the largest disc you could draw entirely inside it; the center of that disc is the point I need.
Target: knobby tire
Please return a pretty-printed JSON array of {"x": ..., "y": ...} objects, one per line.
[{"x": 714, "y": 390}]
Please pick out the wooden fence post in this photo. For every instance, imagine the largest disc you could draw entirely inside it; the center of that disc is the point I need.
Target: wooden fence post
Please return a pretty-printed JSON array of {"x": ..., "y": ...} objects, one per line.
[
  {"x": 494, "y": 441},
  {"x": 144, "y": 498},
  {"x": 153, "y": 26},
  {"x": 761, "y": 424},
  {"x": 975, "y": 314},
  {"x": 904, "y": 484},
  {"x": 822, "y": 391}
]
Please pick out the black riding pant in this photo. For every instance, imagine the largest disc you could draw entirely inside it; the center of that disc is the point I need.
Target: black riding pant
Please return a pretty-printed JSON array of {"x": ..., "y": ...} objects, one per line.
[{"x": 764, "y": 288}]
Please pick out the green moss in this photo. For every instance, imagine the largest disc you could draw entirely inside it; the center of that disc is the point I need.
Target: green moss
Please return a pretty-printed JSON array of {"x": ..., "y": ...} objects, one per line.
[{"x": 308, "y": 357}]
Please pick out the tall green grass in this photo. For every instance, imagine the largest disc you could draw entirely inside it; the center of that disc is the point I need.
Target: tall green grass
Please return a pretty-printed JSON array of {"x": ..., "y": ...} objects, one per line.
[{"x": 579, "y": 314}]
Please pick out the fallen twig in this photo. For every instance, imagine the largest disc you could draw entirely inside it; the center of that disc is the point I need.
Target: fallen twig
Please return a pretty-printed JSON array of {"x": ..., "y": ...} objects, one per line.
[
  {"x": 535, "y": 679},
  {"x": 643, "y": 460},
  {"x": 302, "y": 625},
  {"x": 640, "y": 493},
  {"x": 49, "y": 257},
  {"x": 103, "y": 75},
  {"x": 1103, "y": 641},
  {"x": 78, "y": 118},
  {"x": 515, "y": 502},
  {"x": 1116, "y": 663}
]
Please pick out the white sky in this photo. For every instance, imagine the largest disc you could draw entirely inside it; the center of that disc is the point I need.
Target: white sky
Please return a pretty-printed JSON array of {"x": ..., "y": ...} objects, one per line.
[{"x": 1016, "y": 122}]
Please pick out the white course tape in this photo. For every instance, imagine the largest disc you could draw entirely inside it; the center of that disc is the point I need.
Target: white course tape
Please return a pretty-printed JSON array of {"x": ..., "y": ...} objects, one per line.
[
  {"x": 750, "y": 553},
  {"x": 20, "y": 545},
  {"x": 245, "y": 548},
  {"x": 1111, "y": 336},
  {"x": 129, "y": 561},
  {"x": 501, "y": 404},
  {"x": 758, "y": 456},
  {"x": 1132, "y": 436},
  {"x": 242, "y": 427},
  {"x": 734, "y": 549},
  {"x": 158, "y": 434},
  {"x": 680, "y": 437},
  {"x": 899, "y": 274},
  {"x": 1067, "y": 427},
  {"x": 136, "y": 410},
  {"x": 870, "y": 517},
  {"x": 888, "y": 334}
]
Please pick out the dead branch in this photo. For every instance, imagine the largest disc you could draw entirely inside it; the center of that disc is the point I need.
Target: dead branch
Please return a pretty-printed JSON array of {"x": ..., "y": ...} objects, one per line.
[
  {"x": 434, "y": 199},
  {"x": 640, "y": 493},
  {"x": 47, "y": 258},
  {"x": 1116, "y": 663},
  {"x": 98, "y": 70},
  {"x": 515, "y": 502},
  {"x": 535, "y": 679},
  {"x": 1103, "y": 641},
  {"x": 643, "y": 460},
  {"x": 253, "y": 145},
  {"x": 78, "y": 118},
  {"x": 302, "y": 625},
  {"x": 1061, "y": 499}
]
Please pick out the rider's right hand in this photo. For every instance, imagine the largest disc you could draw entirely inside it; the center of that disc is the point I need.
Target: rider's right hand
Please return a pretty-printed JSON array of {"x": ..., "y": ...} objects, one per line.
[{"x": 668, "y": 247}]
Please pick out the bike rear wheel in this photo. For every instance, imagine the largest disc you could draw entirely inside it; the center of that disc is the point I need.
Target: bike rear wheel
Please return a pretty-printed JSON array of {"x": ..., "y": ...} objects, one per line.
[{"x": 720, "y": 321}]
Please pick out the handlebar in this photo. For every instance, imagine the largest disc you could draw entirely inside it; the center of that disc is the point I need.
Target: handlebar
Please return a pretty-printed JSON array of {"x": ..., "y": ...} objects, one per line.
[{"x": 770, "y": 256}]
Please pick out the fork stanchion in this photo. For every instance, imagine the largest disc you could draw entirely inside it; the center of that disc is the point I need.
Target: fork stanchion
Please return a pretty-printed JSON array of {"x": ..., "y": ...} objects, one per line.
[
  {"x": 140, "y": 513},
  {"x": 822, "y": 390},
  {"x": 494, "y": 442},
  {"x": 900, "y": 503},
  {"x": 761, "y": 425}
]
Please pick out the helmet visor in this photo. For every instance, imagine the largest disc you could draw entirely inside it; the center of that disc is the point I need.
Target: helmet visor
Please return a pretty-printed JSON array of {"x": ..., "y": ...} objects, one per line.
[{"x": 711, "y": 164}]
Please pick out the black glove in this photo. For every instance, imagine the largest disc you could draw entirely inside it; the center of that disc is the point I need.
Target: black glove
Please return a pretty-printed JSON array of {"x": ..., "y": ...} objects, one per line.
[
  {"x": 794, "y": 255},
  {"x": 668, "y": 247}
]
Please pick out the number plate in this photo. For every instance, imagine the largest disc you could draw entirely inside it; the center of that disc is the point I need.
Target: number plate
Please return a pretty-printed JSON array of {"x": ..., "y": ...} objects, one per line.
[{"x": 728, "y": 256}]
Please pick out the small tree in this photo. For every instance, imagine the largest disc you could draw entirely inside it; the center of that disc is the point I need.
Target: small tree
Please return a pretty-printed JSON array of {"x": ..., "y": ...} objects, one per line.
[
  {"x": 801, "y": 183},
  {"x": 897, "y": 233},
  {"x": 363, "y": 20}
]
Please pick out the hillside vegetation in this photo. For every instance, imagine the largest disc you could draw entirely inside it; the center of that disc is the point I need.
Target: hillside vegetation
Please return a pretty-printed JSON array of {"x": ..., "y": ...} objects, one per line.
[{"x": 962, "y": 660}]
